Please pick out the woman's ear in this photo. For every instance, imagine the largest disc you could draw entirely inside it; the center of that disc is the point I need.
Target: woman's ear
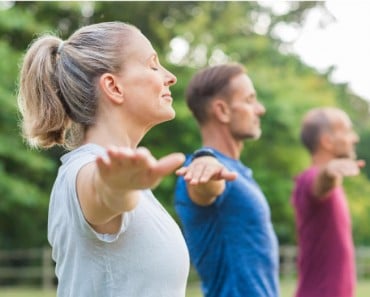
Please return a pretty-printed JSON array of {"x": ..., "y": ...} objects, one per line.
[
  {"x": 111, "y": 87},
  {"x": 220, "y": 109}
]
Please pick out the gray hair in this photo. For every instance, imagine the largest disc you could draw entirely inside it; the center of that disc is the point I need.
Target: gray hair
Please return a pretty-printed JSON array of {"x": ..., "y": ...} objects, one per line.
[{"x": 315, "y": 123}]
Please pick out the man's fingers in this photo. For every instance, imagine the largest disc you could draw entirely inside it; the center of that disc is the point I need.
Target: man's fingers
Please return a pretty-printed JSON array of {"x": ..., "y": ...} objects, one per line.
[
  {"x": 204, "y": 174},
  {"x": 352, "y": 169},
  {"x": 181, "y": 171},
  {"x": 361, "y": 163}
]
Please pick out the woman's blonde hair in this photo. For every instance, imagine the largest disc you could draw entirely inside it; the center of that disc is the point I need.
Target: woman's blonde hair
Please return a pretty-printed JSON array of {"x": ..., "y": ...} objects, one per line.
[{"x": 58, "y": 94}]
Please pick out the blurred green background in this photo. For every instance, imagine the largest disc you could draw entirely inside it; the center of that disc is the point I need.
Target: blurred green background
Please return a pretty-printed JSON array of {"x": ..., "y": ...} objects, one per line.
[{"x": 187, "y": 36}]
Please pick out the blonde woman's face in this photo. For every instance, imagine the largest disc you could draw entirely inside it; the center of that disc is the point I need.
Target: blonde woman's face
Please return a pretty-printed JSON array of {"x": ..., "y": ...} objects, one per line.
[{"x": 146, "y": 85}]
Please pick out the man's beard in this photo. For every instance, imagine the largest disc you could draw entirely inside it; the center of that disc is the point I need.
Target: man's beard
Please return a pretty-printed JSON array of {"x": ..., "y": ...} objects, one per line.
[{"x": 351, "y": 155}]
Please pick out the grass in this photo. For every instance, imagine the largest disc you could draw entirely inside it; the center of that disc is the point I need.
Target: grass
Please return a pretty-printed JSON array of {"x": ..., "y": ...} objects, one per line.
[{"x": 287, "y": 290}]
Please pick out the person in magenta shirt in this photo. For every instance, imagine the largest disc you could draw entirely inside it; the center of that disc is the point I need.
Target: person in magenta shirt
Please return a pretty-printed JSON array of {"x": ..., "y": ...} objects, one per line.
[{"x": 326, "y": 264}]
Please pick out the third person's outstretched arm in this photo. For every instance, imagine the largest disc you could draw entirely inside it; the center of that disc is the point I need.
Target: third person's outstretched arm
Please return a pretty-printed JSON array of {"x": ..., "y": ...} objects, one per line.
[{"x": 332, "y": 174}]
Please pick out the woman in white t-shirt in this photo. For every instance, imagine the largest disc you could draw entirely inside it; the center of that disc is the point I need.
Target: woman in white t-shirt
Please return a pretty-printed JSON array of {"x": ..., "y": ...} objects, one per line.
[{"x": 97, "y": 94}]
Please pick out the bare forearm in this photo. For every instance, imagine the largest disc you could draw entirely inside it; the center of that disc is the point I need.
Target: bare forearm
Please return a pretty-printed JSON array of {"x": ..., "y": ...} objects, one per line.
[
  {"x": 324, "y": 183},
  {"x": 99, "y": 202},
  {"x": 206, "y": 193},
  {"x": 114, "y": 201}
]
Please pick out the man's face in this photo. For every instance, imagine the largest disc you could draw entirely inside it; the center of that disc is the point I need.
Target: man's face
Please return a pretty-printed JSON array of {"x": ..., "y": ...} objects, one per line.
[
  {"x": 245, "y": 109},
  {"x": 343, "y": 137}
]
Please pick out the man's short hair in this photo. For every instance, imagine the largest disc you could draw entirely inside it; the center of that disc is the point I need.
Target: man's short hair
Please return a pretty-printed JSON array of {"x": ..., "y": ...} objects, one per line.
[
  {"x": 315, "y": 122},
  {"x": 207, "y": 84}
]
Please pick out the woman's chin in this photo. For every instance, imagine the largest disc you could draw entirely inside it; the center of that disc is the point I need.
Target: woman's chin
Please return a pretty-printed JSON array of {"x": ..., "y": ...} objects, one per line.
[
  {"x": 167, "y": 116},
  {"x": 171, "y": 115}
]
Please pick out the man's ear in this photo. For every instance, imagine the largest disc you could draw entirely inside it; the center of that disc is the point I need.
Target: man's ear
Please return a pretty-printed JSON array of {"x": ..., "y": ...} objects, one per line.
[
  {"x": 326, "y": 141},
  {"x": 111, "y": 87},
  {"x": 221, "y": 110}
]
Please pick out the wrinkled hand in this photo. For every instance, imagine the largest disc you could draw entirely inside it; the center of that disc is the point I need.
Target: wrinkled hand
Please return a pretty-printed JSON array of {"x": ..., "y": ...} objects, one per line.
[
  {"x": 125, "y": 169},
  {"x": 338, "y": 168},
  {"x": 205, "y": 169}
]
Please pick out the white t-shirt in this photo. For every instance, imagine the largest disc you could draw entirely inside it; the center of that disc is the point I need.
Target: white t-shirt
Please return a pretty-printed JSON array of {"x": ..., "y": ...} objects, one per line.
[{"x": 146, "y": 258}]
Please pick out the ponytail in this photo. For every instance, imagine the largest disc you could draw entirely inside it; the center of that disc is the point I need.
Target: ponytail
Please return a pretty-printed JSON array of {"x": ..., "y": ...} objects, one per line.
[{"x": 39, "y": 99}]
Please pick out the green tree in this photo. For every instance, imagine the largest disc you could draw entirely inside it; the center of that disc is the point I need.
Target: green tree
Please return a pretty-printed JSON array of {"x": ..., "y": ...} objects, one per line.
[{"x": 210, "y": 32}]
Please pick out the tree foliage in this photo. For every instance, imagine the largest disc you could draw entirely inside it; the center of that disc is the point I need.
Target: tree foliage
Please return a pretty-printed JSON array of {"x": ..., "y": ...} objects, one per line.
[{"x": 210, "y": 33}]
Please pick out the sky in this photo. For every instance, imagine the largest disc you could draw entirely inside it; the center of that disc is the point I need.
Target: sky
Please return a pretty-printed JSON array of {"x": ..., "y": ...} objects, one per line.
[{"x": 344, "y": 43}]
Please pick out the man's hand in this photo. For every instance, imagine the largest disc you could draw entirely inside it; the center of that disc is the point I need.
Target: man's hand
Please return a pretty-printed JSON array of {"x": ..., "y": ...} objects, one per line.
[
  {"x": 338, "y": 168},
  {"x": 205, "y": 169},
  {"x": 332, "y": 175},
  {"x": 205, "y": 178}
]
